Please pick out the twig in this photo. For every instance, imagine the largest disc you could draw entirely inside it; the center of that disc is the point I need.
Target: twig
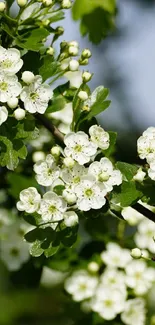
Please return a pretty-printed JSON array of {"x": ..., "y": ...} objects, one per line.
[
  {"x": 147, "y": 213},
  {"x": 49, "y": 126}
]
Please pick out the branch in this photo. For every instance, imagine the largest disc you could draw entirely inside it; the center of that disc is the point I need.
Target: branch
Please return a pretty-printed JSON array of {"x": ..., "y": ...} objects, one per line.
[
  {"x": 147, "y": 213},
  {"x": 52, "y": 128}
]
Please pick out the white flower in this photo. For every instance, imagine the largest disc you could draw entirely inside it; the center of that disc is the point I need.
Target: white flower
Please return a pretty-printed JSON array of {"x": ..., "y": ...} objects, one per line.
[
  {"x": 73, "y": 65},
  {"x": 151, "y": 170},
  {"x": 90, "y": 194},
  {"x": 83, "y": 95},
  {"x": 75, "y": 78},
  {"x": 139, "y": 277},
  {"x": 132, "y": 216},
  {"x": 115, "y": 256},
  {"x": 70, "y": 219},
  {"x": 73, "y": 50},
  {"x": 72, "y": 176},
  {"x": 134, "y": 312},
  {"x": 9, "y": 87},
  {"x": 52, "y": 207},
  {"x": 81, "y": 285},
  {"x": 103, "y": 171},
  {"x": 10, "y": 61},
  {"x": 14, "y": 251},
  {"x": 99, "y": 136},
  {"x": 113, "y": 279},
  {"x": 79, "y": 147},
  {"x": 29, "y": 200},
  {"x": 108, "y": 302},
  {"x": 46, "y": 171},
  {"x": 145, "y": 234},
  {"x": 146, "y": 144},
  {"x": 3, "y": 114},
  {"x": 36, "y": 96}
]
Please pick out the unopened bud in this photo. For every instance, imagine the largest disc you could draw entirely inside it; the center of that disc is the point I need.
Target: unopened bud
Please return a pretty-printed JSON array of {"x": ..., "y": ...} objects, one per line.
[
  {"x": 86, "y": 54},
  {"x": 86, "y": 76},
  {"x": 37, "y": 156},
  {"x": 73, "y": 65},
  {"x": 93, "y": 267},
  {"x": 73, "y": 50},
  {"x": 69, "y": 197},
  {"x": 12, "y": 102},
  {"x": 50, "y": 50},
  {"x": 19, "y": 114},
  {"x": 69, "y": 162},
  {"x": 22, "y": 3},
  {"x": 59, "y": 30},
  {"x": 27, "y": 77},
  {"x": 2, "y": 6},
  {"x": 66, "y": 4},
  {"x": 86, "y": 108},
  {"x": 83, "y": 61},
  {"x": 47, "y": 2},
  {"x": 83, "y": 95},
  {"x": 46, "y": 22},
  {"x": 74, "y": 43},
  {"x": 55, "y": 151},
  {"x": 136, "y": 253}
]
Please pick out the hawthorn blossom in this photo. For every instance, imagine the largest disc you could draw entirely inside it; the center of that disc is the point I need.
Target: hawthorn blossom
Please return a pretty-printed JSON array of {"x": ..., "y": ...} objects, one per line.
[
  {"x": 81, "y": 285},
  {"x": 72, "y": 176},
  {"x": 90, "y": 194},
  {"x": 99, "y": 137},
  {"x": 115, "y": 256},
  {"x": 104, "y": 172},
  {"x": 9, "y": 87},
  {"x": 146, "y": 144},
  {"x": 36, "y": 96},
  {"x": 108, "y": 302},
  {"x": 52, "y": 207},
  {"x": 139, "y": 277},
  {"x": 3, "y": 114},
  {"x": 134, "y": 312},
  {"x": 114, "y": 279},
  {"x": 10, "y": 61},
  {"x": 145, "y": 234},
  {"x": 46, "y": 171},
  {"x": 79, "y": 147},
  {"x": 29, "y": 200}
]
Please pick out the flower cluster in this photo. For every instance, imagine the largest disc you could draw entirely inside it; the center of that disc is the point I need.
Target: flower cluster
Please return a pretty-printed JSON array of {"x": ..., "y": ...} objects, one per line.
[
  {"x": 32, "y": 94},
  {"x": 83, "y": 182},
  {"x": 119, "y": 289},
  {"x": 146, "y": 149},
  {"x": 14, "y": 251}
]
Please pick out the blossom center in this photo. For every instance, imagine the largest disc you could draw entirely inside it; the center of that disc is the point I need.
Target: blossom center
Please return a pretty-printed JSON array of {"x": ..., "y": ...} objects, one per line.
[
  {"x": 103, "y": 177},
  {"x": 6, "y": 64},
  {"x": 76, "y": 179},
  {"x": 78, "y": 148},
  {"x": 33, "y": 96},
  {"x": 88, "y": 192},
  {"x": 3, "y": 86},
  {"x": 108, "y": 303},
  {"x": 52, "y": 209}
]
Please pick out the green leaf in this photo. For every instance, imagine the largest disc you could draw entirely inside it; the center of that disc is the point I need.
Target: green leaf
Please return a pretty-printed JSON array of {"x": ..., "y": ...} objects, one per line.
[
  {"x": 35, "y": 249},
  {"x": 26, "y": 130},
  {"x": 100, "y": 103},
  {"x": 57, "y": 104},
  {"x": 49, "y": 67},
  {"x": 126, "y": 194},
  {"x": 51, "y": 250},
  {"x": 18, "y": 182},
  {"x": 83, "y": 7},
  {"x": 32, "y": 40},
  {"x": 10, "y": 152},
  {"x": 112, "y": 136},
  {"x": 127, "y": 170},
  {"x": 59, "y": 189}
]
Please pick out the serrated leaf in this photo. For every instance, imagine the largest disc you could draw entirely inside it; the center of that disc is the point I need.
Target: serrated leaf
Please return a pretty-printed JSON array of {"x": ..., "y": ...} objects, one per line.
[
  {"x": 35, "y": 249},
  {"x": 57, "y": 104},
  {"x": 126, "y": 194},
  {"x": 49, "y": 68},
  {"x": 83, "y": 7},
  {"x": 10, "y": 152},
  {"x": 127, "y": 170},
  {"x": 32, "y": 40},
  {"x": 51, "y": 250}
]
